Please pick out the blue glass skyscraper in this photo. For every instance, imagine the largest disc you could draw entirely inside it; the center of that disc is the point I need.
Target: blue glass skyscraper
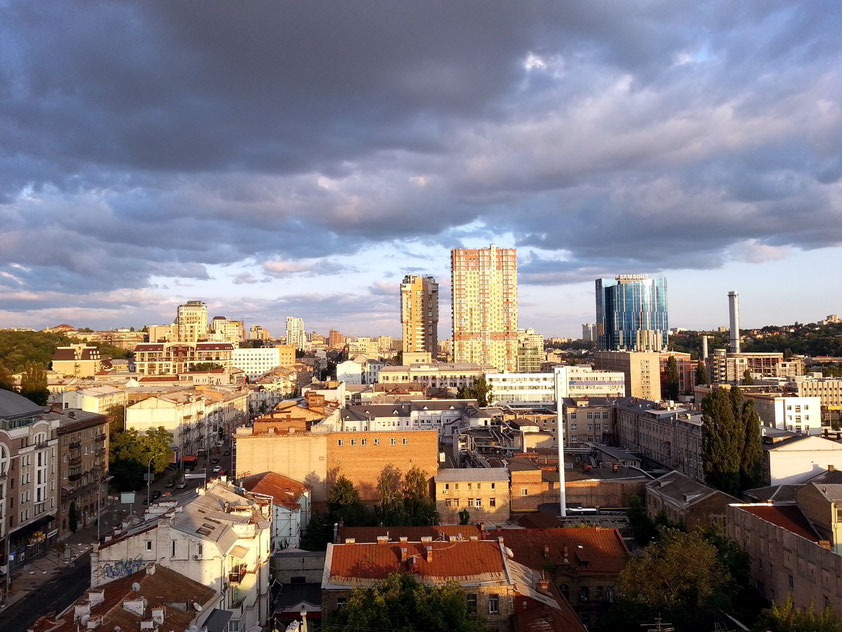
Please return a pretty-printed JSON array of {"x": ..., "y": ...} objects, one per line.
[{"x": 631, "y": 313}]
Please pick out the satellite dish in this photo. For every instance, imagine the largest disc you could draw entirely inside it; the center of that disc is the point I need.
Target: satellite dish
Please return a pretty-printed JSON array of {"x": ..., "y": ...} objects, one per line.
[
  {"x": 197, "y": 607},
  {"x": 136, "y": 586}
]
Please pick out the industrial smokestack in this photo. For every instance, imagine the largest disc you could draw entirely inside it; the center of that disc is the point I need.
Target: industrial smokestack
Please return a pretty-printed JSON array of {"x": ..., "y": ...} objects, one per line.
[
  {"x": 734, "y": 308},
  {"x": 705, "y": 348}
]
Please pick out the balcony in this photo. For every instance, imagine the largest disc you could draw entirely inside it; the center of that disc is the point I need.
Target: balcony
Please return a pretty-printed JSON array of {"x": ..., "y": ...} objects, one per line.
[
  {"x": 75, "y": 461},
  {"x": 101, "y": 437},
  {"x": 100, "y": 451},
  {"x": 41, "y": 445},
  {"x": 237, "y": 574},
  {"x": 75, "y": 477},
  {"x": 75, "y": 445}
]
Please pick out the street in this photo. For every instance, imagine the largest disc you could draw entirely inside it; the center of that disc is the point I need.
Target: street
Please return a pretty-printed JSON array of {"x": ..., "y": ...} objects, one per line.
[{"x": 54, "y": 596}]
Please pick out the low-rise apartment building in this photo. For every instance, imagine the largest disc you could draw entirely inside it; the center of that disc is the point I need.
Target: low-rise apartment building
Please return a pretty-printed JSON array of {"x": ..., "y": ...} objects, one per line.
[
  {"x": 589, "y": 420},
  {"x": 687, "y": 502},
  {"x": 257, "y": 362},
  {"x": 522, "y": 389},
  {"x": 664, "y": 433},
  {"x": 82, "y": 466},
  {"x": 582, "y": 380},
  {"x": 791, "y": 460},
  {"x": 28, "y": 483},
  {"x": 175, "y": 358},
  {"x": 291, "y": 506},
  {"x": 436, "y": 375},
  {"x": 79, "y": 360},
  {"x": 726, "y": 366},
  {"x": 827, "y": 389},
  {"x": 788, "y": 557},
  {"x": 219, "y": 539},
  {"x": 483, "y": 491},
  {"x": 785, "y": 412}
]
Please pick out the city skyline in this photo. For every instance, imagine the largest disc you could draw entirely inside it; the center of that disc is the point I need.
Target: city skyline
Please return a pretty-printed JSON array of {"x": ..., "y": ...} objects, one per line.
[{"x": 307, "y": 174}]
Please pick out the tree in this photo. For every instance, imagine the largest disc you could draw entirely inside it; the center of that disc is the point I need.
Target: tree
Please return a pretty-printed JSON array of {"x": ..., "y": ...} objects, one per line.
[
  {"x": 7, "y": 381},
  {"x": 787, "y": 618},
  {"x": 464, "y": 516},
  {"x": 390, "y": 490},
  {"x": 722, "y": 441},
  {"x": 419, "y": 507},
  {"x": 318, "y": 533},
  {"x": 701, "y": 373},
  {"x": 72, "y": 517},
  {"x": 401, "y": 603},
  {"x": 672, "y": 379},
  {"x": 131, "y": 452},
  {"x": 643, "y": 527},
  {"x": 344, "y": 504},
  {"x": 748, "y": 380},
  {"x": 33, "y": 384},
  {"x": 116, "y": 418},
  {"x": 677, "y": 572},
  {"x": 482, "y": 391},
  {"x": 201, "y": 367},
  {"x": 751, "y": 457}
]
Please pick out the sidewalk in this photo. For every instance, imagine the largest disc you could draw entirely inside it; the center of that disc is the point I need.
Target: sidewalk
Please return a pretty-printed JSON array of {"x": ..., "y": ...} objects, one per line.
[{"x": 39, "y": 571}]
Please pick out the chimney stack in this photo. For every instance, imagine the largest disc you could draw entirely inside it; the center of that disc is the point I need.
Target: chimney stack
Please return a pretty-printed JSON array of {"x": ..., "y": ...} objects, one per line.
[
  {"x": 734, "y": 310},
  {"x": 429, "y": 554}
]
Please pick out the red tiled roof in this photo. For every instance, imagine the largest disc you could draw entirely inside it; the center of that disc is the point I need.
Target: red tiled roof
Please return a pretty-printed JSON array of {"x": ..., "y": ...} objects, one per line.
[
  {"x": 149, "y": 346},
  {"x": 787, "y": 516},
  {"x": 590, "y": 550},
  {"x": 451, "y": 560},
  {"x": 413, "y": 534},
  {"x": 285, "y": 491},
  {"x": 165, "y": 586}
]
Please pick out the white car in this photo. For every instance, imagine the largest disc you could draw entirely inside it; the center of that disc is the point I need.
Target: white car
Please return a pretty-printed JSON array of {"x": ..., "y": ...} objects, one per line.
[{"x": 217, "y": 469}]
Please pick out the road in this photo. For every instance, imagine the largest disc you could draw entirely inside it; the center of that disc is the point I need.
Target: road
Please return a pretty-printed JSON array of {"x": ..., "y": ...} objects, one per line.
[{"x": 54, "y": 596}]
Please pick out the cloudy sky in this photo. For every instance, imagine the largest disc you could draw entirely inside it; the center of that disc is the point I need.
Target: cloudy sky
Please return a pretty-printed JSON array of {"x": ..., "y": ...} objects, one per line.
[{"x": 298, "y": 158}]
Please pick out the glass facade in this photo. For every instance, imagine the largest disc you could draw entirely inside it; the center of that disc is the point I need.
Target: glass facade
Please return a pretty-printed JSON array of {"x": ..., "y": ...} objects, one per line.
[{"x": 631, "y": 313}]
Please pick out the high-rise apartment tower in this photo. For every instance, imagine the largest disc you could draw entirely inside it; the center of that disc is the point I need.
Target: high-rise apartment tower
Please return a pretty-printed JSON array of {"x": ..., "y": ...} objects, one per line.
[
  {"x": 631, "y": 313},
  {"x": 485, "y": 306},
  {"x": 420, "y": 314},
  {"x": 296, "y": 336},
  {"x": 192, "y": 321}
]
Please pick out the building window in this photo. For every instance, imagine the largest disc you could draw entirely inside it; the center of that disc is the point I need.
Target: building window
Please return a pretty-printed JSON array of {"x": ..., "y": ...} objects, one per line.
[
  {"x": 405, "y": 441},
  {"x": 363, "y": 441},
  {"x": 791, "y": 583},
  {"x": 493, "y": 604},
  {"x": 341, "y": 601},
  {"x": 478, "y": 503},
  {"x": 524, "y": 491},
  {"x": 447, "y": 502},
  {"x": 470, "y": 502},
  {"x": 472, "y": 603},
  {"x": 340, "y": 442},
  {"x": 584, "y": 593},
  {"x": 493, "y": 485},
  {"x": 492, "y": 502},
  {"x": 353, "y": 442},
  {"x": 393, "y": 441},
  {"x": 149, "y": 545},
  {"x": 376, "y": 441}
]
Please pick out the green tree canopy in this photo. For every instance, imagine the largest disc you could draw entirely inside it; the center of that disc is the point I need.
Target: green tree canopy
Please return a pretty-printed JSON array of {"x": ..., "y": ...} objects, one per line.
[
  {"x": 672, "y": 383},
  {"x": 33, "y": 384},
  {"x": 678, "y": 571},
  {"x": 116, "y": 418},
  {"x": 787, "y": 618},
  {"x": 400, "y": 603},
  {"x": 7, "y": 381},
  {"x": 344, "y": 504},
  {"x": 748, "y": 380},
  {"x": 131, "y": 452},
  {"x": 701, "y": 373},
  {"x": 722, "y": 442},
  {"x": 751, "y": 457}
]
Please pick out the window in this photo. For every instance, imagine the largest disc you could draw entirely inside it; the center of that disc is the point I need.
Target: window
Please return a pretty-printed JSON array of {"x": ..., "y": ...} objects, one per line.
[
  {"x": 470, "y": 485},
  {"x": 200, "y": 550},
  {"x": 363, "y": 441},
  {"x": 791, "y": 583},
  {"x": 448, "y": 502},
  {"x": 470, "y": 502},
  {"x": 478, "y": 502},
  {"x": 493, "y": 485},
  {"x": 149, "y": 545},
  {"x": 524, "y": 491},
  {"x": 600, "y": 593},
  {"x": 479, "y": 486},
  {"x": 376, "y": 441},
  {"x": 584, "y": 593},
  {"x": 492, "y": 502},
  {"x": 340, "y": 442},
  {"x": 353, "y": 442},
  {"x": 405, "y": 441},
  {"x": 472, "y": 603},
  {"x": 341, "y": 601},
  {"x": 173, "y": 548},
  {"x": 493, "y": 604},
  {"x": 393, "y": 441}
]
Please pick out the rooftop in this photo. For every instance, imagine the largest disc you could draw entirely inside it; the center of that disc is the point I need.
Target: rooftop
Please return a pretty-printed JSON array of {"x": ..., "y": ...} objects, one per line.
[
  {"x": 472, "y": 474},
  {"x": 13, "y": 405},
  {"x": 413, "y": 534},
  {"x": 788, "y": 517},
  {"x": 593, "y": 548},
  {"x": 283, "y": 490},
  {"x": 681, "y": 489}
]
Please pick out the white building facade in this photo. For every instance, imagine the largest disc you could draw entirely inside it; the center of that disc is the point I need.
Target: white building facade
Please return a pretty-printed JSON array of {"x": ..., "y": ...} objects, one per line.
[
  {"x": 582, "y": 380},
  {"x": 522, "y": 389}
]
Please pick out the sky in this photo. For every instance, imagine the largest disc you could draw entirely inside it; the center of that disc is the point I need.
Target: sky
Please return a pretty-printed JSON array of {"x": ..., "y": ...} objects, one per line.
[{"x": 299, "y": 158}]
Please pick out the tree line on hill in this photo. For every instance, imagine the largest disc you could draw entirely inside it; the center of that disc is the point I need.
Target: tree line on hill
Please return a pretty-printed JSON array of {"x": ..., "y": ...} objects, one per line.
[{"x": 810, "y": 340}]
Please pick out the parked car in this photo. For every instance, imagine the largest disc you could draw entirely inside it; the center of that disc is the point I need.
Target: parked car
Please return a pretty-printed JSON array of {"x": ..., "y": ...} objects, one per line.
[
  {"x": 170, "y": 484},
  {"x": 217, "y": 469},
  {"x": 156, "y": 494},
  {"x": 181, "y": 485}
]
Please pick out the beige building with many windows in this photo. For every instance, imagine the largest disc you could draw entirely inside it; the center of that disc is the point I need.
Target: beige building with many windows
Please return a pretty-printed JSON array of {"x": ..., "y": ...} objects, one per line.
[
  {"x": 175, "y": 358},
  {"x": 485, "y": 308},
  {"x": 483, "y": 491},
  {"x": 420, "y": 313},
  {"x": 192, "y": 321},
  {"x": 78, "y": 360},
  {"x": 642, "y": 370}
]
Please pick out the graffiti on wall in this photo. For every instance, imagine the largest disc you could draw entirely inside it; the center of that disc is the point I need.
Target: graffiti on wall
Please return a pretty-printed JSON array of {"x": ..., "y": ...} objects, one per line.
[{"x": 121, "y": 568}]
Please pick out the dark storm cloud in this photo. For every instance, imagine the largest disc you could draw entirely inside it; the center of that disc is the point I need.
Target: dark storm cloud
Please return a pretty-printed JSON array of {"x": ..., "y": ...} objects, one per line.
[{"x": 153, "y": 139}]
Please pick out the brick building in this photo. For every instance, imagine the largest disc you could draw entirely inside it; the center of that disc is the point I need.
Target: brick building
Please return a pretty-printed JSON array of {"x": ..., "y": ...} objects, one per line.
[
  {"x": 484, "y": 492},
  {"x": 686, "y": 501}
]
